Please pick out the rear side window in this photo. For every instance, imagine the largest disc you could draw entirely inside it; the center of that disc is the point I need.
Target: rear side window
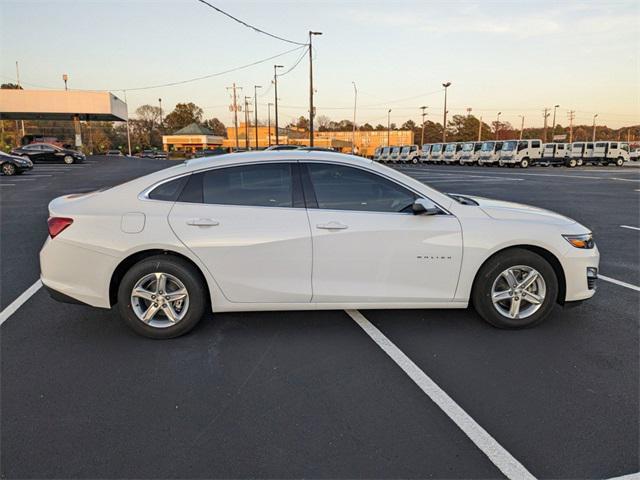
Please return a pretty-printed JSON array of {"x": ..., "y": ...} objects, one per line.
[
  {"x": 338, "y": 187},
  {"x": 535, "y": 144},
  {"x": 614, "y": 145},
  {"x": 267, "y": 185},
  {"x": 169, "y": 191}
]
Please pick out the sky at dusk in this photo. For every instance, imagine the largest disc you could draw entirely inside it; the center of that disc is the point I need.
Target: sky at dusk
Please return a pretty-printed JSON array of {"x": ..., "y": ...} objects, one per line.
[{"x": 509, "y": 56}]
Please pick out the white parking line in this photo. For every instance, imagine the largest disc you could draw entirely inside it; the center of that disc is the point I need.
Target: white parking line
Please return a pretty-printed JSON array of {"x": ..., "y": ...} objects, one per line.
[
  {"x": 500, "y": 457},
  {"x": 17, "y": 303},
  {"x": 626, "y": 179},
  {"x": 619, "y": 282},
  {"x": 629, "y": 227},
  {"x": 7, "y": 184}
]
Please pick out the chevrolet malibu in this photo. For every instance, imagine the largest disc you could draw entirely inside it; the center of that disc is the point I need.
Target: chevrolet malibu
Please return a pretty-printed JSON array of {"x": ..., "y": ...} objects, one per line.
[{"x": 304, "y": 230}]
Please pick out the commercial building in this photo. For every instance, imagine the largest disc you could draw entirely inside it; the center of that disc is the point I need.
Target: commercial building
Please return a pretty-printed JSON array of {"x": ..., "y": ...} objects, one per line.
[{"x": 190, "y": 139}]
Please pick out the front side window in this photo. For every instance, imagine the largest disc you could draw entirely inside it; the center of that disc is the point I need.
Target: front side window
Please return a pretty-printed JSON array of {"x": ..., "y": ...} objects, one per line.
[
  {"x": 339, "y": 187},
  {"x": 266, "y": 185}
]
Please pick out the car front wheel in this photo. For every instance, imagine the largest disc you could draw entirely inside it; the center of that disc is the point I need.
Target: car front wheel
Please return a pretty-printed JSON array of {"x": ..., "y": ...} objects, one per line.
[
  {"x": 619, "y": 161},
  {"x": 515, "y": 289},
  {"x": 68, "y": 159},
  {"x": 161, "y": 297},
  {"x": 8, "y": 169}
]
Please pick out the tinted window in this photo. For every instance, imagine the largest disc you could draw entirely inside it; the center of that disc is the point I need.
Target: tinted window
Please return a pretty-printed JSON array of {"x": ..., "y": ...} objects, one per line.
[
  {"x": 345, "y": 188},
  {"x": 613, "y": 145},
  {"x": 268, "y": 185},
  {"x": 169, "y": 191},
  {"x": 535, "y": 144}
]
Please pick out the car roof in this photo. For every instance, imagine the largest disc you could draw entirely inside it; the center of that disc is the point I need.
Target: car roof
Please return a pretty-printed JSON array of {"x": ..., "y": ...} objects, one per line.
[{"x": 275, "y": 155}]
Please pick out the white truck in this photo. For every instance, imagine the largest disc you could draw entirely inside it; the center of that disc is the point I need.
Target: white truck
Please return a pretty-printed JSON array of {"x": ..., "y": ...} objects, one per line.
[
  {"x": 581, "y": 152},
  {"x": 520, "y": 152},
  {"x": 384, "y": 154},
  {"x": 394, "y": 156},
  {"x": 489, "y": 153},
  {"x": 409, "y": 154},
  {"x": 376, "y": 154},
  {"x": 437, "y": 153},
  {"x": 426, "y": 151},
  {"x": 470, "y": 152},
  {"x": 555, "y": 154},
  {"x": 452, "y": 152},
  {"x": 611, "y": 152}
]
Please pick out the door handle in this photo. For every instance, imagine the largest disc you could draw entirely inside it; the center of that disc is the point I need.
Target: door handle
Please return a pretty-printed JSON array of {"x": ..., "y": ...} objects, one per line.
[
  {"x": 202, "y": 222},
  {"x": 332, "y": 226}
]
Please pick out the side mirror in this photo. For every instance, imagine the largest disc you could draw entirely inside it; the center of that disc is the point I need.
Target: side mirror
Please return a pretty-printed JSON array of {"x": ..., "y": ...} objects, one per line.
[{"x": 422, "y": 206}]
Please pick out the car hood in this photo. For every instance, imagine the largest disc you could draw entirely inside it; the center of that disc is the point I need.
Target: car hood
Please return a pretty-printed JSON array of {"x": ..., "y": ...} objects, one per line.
[{"x": 502, "y": 210}]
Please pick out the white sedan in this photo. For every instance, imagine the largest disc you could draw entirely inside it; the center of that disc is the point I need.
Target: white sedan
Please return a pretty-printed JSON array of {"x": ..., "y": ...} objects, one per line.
[{"x": 304, "y": 230}]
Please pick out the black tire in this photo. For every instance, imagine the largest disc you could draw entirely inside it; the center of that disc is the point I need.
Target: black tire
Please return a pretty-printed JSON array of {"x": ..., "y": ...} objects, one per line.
[
  {"x": 180, "y": 269},
  {"x": 9, "y": 169},
  {"x": 491, "y": 270},
  {"x": 619, "y": 162},
  {"x": 524, "y": 163}
]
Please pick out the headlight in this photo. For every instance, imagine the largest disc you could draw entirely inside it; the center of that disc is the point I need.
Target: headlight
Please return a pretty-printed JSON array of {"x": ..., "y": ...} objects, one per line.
[{"x": 580, "y": 241}]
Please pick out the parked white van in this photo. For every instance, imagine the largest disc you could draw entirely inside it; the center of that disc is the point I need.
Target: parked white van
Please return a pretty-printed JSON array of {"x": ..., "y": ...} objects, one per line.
[
  {"x": 452, "y": 152},
  {"x": 489, "y": 152},
  {"x": 520, "y": 152},
  {"x": 437, "y": 152},
  {"x": 581, "y": 152},
  {"x": 470, "y": 152},
  {"x": 410, "y": 154},
  {"x": 555, "y": 154},
  {"x": 384, "y": 155},
  {"x": 611, "y": 152},
  {"x": 376, "y": 154},
  {"x": 394, "y": 156},
  {"x": 426, "y": 151}
]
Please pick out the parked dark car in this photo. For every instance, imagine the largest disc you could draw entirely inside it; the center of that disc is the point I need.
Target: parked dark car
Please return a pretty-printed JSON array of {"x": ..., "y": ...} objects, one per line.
[
  {"x": 153, "y": 154},
  {"x": 114, "y": 153},
  {"x": 45, "y": 152},
  {"x": 14, "y": 165}
]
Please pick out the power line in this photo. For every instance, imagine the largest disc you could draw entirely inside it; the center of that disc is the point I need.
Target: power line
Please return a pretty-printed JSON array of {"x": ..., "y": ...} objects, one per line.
[
  {"x": 241, "y": 22},
  {"x": 296, "y": 63}
]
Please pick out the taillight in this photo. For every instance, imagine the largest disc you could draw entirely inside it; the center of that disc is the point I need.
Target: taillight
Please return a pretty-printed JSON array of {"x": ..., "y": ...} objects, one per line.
[{"x": 57, "y": 225}]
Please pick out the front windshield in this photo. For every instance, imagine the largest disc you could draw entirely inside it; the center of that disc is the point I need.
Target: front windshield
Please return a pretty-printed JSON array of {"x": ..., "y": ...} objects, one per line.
[
  {"x": 425, "y": 147},
  {"x": 624, "y": 146},
  {"x": 451, "y": 147},
  {"x": 487, "y": 146},
  {"x": 395, "y": 150},
  {"x": 508, "y": 146},
  {"x": 406, "y": 149},
  {"x": 436, "y": 148},
  {"x": 385, "y": 150},
  {"x": 467, "y": 147}
]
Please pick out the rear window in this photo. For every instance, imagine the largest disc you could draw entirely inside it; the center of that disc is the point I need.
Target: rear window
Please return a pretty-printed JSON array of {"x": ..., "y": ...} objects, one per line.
[{"x": 169, "y": 191}]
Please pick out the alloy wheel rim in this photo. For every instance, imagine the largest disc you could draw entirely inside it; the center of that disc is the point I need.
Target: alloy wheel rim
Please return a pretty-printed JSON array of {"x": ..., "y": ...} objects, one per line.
[
  {"x": 68, "y": 159},
  {"x": 159, "y": 300},
  {"x": 518, "y": 292},
  {"x": 7, "y": 169}
]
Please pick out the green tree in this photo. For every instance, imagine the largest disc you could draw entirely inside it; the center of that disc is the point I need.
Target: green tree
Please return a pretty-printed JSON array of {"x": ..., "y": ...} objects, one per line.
[
  {"x": 183, "y": 115},
  {"x": 216, "y": 126}
]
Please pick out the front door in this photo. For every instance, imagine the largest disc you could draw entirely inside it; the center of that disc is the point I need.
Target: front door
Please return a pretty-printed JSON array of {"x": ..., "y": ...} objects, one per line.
[
  {"x": 248, "y": 225},
  {"x": 368, "y": 246}
]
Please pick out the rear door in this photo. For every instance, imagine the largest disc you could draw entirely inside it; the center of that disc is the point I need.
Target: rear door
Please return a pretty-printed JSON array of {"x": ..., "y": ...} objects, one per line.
[
  {"x": 248, "y": 225},
  {"x": 368, "y": 246}
]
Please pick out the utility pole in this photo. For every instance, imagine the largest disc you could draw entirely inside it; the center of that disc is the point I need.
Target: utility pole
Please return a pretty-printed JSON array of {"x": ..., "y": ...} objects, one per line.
[
  {"x": 128, "y": 131},
  {"x": 21, "y": 121},
  {"x": 521, "y": 126},
  {"x": 553, "y": 128},
  {"x": 160, "y": 104},
  {"x": 311, "y": 109},
  {"x": 545, "y": 115},
  {"x": 275, "y": 84},
  {"x": 444, "y": 121},
  {"x": 355, "y": 103},
  {"x": 498, "y": 124},
  {"x": 572, "y": 116},
  {"x": 65, "y": 77},
  {"x": 480, "y": 129},
  {"x": 246, "y": 122},
  {"x": 593, "y": 139},
  {"x": 389, "y": 128},
  {"x": 234, "y": 108},
  {"x": 424, "y": 114},
  {"x": 255, "y": 109},
  {"x": 269, "y": 121}
]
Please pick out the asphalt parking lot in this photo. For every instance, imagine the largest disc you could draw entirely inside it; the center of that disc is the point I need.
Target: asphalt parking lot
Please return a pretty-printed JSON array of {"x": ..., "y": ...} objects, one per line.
[{"x": 312, "y": 394}]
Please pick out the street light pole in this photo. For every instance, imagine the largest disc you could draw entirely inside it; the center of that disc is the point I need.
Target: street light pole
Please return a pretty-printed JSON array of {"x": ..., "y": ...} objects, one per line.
[
  {"x": 65, "y": 77},
  {"x": 246, "y": 122},
  {"x": 594, "y": 128},
  {"x": 255, "y": 109},
  {"x": 444, "y": 122},
  {"x": 160, "y": 104},
  {"x": 355, "y": 103},
  {"x": 389, "y": 128},
  {"x": 311, "y": 111},
  {"x": 269, "y": 121},
  {"x": 498, "y": 124},
  {"x": 521, "y": 126},
  {"x": 424, "y": 114},
  {"x": 275, "y": 84},
  {"x": 553, "y": 128}
]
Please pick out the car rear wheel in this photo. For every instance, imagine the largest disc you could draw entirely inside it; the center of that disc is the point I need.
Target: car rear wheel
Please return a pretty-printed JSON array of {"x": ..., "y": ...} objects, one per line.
[
  {"x": 515, "y": 289},
  {"x": 8, "y": 169},
  {"x": 572, "y": 162},
  {"x": 68, "y": 159},
  {"x": 161, "y": 297}
]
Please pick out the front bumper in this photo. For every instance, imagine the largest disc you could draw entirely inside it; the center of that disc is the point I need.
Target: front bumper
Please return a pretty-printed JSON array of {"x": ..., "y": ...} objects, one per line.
[{"x": 579, "y": 266}]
